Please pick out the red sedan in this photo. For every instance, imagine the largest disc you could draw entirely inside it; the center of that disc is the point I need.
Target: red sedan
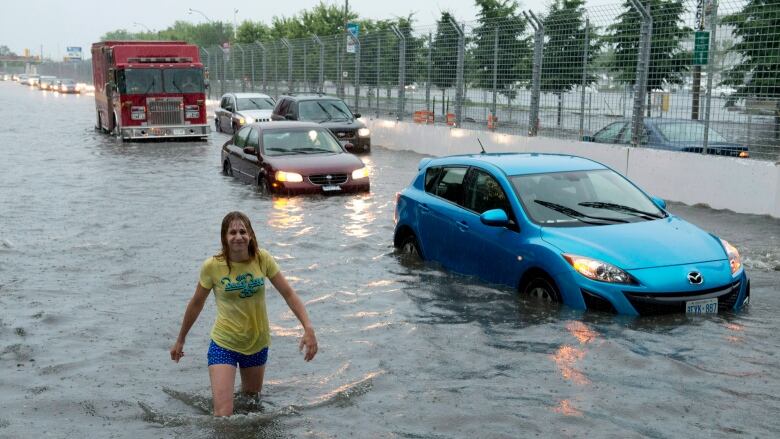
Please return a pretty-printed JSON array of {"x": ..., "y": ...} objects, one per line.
[{"x": 293, "y": 157}]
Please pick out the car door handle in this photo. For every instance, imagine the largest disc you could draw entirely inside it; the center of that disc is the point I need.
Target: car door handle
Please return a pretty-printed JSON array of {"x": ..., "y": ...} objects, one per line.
[
  {"x": 462, "y": 226},
  {"x": 424, "y": 208}
]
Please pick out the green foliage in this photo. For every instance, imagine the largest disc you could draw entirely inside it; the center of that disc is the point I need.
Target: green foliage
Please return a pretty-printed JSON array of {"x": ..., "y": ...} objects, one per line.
[
  {"x": 5, "y": 51},
  {"x": 202, "y": 34},
  {"x": 500, "y": 19},
  {"x": 250, "y": 31},
  {"x": 668, "y": 60},
  {"x": 444, "y": 52},
  {"x": 564, "y": 30},
  {"x": 757, "y": 27}
]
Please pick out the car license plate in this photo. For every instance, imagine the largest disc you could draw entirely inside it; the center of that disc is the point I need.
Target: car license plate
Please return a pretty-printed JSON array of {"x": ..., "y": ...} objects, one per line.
[
  {"x": 331, "y": 188},
  {"x": 178, "y": 131},
  {"x": 704, "y": 306}
]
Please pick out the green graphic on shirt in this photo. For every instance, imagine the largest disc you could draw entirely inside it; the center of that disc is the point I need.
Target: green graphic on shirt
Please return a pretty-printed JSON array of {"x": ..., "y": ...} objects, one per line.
[{"x": 246, "y": 284}]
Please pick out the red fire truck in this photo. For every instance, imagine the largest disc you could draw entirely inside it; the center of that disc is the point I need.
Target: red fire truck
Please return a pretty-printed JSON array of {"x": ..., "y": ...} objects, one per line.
[{"x": 149, "y": 89}]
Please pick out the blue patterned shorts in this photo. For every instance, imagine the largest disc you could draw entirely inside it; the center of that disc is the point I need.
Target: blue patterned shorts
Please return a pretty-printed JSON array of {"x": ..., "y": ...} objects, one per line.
[{"x": 220, "y": 355}]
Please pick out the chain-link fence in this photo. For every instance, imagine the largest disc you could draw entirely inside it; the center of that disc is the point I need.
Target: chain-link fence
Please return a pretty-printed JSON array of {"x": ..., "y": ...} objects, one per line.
[{"x": 707, "y": 73}]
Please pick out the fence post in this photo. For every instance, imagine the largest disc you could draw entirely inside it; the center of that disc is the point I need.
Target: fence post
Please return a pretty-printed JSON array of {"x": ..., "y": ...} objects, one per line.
[
  {"x": 401, "y": 72},
  {"x": 276, "y": 71},
  {"x": 642, "y": 66},
  {"x": 306, "y": 87},
  {"x": 536, "y": 75},
  {"x": 378, "y": 69},
  {"x": 321, "y": 77},
  {"x": 243, "y": 67},
  {"x": 290, "y": 85},
  {"x": 430, "y": 66},
  {"x": 713, "y": 22},
  {"x": 459, "y": 73},
  {"x": 208, "y": 69},
  {"x": 252, "y": 69},
  {"x": 265, "y": 84},
  {"x": 585, "y": 51},
  {"x": 357, "y": 69},
  {"x": 339, "y": 69},
  {"x": 495, "y": 70}
]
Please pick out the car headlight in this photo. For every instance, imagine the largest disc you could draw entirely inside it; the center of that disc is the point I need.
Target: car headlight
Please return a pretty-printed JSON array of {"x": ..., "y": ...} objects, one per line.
[
  {"x": 598, "y": 270},
  {"x": 357, "y": 174},
  {"x": 735, "y": 261},
  {"x": 364, "y": 132},
  {"x": 248, "y": 120},
  {"x": 241, "y": 121},
  {"x": 292, "y": 177}
]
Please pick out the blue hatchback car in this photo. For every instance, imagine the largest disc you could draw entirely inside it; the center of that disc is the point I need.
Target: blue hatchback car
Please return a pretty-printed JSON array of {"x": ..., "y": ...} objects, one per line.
[{"x": 565, "y": 229}]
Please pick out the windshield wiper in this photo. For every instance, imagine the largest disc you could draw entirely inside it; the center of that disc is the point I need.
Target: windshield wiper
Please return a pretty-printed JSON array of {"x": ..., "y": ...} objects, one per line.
[
  {"x": 622, "y": 209},
  {"x": 341, "y": 111},
  {"x": 285, "y": 150},
  {"x": 326, "y": 112},
  {"x": 576, "y": 214},
  {"x": 309, "y": 149}
]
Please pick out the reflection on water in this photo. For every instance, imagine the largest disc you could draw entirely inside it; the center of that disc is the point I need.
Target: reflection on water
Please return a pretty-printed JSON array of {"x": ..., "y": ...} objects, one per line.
[
  {"x": 286, "y": 213},
  {"x": 360, "y": 217}
]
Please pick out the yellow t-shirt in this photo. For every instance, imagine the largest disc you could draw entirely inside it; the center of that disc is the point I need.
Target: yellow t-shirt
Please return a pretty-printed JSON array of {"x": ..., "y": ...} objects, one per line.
[{"x": 242, "y": 320}]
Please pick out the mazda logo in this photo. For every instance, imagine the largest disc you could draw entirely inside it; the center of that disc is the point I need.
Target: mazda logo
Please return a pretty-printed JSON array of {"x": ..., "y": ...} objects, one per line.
[
  {"x": 329, "y": 177},
  {"x": 695, "y": 278}
]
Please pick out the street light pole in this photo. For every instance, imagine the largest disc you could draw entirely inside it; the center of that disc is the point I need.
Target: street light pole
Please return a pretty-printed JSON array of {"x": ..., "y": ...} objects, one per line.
[
  {"x": 235, "y": 24},
  {"x": 190, "y": 11}
]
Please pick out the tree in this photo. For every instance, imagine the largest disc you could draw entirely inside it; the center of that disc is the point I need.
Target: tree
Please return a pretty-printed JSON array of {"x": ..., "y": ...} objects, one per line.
[
  {"x": 444, "y": 54},
  {"x": 251, "y": 31},
  {"x": 5, "y": 51},
  {"x": 668, "y": 60},
  {"x": 564, "y": 29},
  {"x": 499, "y": 18}
]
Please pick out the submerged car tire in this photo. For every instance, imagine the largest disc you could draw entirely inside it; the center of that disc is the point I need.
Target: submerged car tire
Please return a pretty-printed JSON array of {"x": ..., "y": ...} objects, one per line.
[
  {"x": 227, "y": 169},
  {"x": 410, "y": 246},
  {"x": 217, "y": 127},
  {"x": 542, "y": 288},
  {"x": 262, "y": 185}
]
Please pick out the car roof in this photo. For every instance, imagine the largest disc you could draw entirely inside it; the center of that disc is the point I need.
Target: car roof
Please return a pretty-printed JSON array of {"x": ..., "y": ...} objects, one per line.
[
  {"x": 247, "y": 95},
  {"x": 522, "y": 163},
  {"x": 289, "y": 124},
  {"x": 310, "y": 97}
]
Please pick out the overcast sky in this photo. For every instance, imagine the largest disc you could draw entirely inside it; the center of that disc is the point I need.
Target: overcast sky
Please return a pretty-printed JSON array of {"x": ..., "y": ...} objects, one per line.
[{"x": 54, "y": 25}]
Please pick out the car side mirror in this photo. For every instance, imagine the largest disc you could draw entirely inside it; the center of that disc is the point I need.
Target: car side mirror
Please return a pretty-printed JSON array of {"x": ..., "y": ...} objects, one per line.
[
  {"x": 494, "y": 217},
  {"x": 588, "y": 139},
  {"x": 659, "y": 202},
  {"x": 357, "y": 115},
  {"x": 250, "y": 150}
]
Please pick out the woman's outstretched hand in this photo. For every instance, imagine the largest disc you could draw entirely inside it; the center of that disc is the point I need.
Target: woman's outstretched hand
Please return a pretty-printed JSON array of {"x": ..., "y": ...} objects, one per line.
[
  {"x": 177, "y": 351},
  {"x": 308, "y": 341}
]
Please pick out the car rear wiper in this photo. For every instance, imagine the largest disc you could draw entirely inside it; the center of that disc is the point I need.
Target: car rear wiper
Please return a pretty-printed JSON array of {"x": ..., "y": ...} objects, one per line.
[
  {"x": 576, "y": 214},
  {"x": 622, "y": 209}
]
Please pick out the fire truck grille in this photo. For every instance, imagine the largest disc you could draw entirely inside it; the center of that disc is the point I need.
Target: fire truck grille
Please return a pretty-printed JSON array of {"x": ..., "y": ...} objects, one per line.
[{"x": 165, "y": 111}]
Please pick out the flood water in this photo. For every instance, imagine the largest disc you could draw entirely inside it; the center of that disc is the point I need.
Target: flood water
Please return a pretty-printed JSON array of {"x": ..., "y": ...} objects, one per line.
[{"x": 100, "y": 248}]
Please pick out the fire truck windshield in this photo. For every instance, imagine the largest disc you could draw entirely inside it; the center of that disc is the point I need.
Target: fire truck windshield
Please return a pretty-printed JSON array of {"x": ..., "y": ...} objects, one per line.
[{"x": 145, "y": 81}]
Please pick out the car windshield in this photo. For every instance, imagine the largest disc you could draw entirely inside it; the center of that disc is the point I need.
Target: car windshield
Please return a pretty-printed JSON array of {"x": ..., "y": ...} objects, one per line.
[
  {"x": 579, "y": 198},
  {"x": 323, "y": 110},
  {"x": 143, "y": 81},
  {"x": 300, "y": 141},
  {"x": 687, "y": 132},
  {"x": 255, "y": 103},
  {"x": 67, "y": 82}
]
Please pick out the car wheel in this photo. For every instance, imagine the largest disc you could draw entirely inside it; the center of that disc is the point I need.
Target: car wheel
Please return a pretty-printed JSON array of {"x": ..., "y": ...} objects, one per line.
[
  {"x": 409, "y": 246},
  {"x": 262, "y": 185},
  {"x": 542, "y": 288},
  {"x": 217, "y": 128},
  {"x": 227, "y": 169}
]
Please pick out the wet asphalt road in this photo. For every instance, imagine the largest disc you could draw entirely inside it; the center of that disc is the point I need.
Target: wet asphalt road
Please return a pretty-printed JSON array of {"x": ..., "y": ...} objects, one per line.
[{"x": 100, "y": 246}]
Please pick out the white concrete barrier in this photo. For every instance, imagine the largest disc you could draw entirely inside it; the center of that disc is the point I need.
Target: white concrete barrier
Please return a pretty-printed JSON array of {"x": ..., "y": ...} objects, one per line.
[{"x": 740, "y": 185}]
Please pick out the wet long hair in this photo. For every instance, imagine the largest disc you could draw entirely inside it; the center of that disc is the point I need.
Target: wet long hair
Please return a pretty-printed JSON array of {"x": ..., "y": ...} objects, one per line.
[{"x": 229, "y": 218}]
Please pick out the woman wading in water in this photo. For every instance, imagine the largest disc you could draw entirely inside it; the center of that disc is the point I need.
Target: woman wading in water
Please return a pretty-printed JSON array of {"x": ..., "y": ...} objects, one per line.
[{"x": 241, "y": 334}]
